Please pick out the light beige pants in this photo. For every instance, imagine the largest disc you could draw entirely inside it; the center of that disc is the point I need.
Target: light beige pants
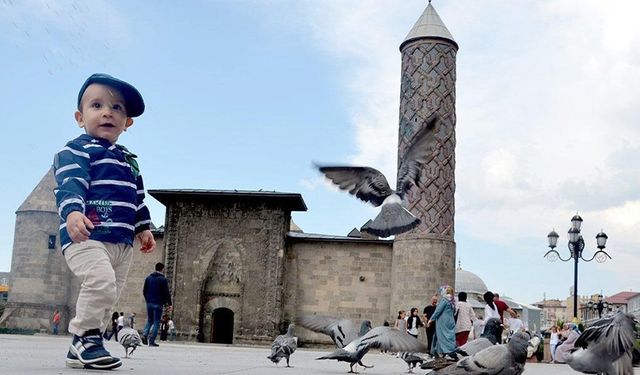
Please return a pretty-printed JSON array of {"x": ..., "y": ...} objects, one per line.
[{"x": 102, "y": 268}]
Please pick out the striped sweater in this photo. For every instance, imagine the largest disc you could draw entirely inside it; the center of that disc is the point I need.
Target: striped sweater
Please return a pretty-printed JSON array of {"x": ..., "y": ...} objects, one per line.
[{"x": 102, "y": 181}]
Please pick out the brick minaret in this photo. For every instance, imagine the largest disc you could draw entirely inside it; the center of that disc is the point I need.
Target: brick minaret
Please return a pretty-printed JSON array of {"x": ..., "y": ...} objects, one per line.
[{"x": 424, "y": 258}]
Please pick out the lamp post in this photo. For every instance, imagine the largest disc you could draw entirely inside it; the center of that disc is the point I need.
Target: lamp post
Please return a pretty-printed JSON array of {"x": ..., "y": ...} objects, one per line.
[
  {"x": 576, "y": 246},
  {"x": 598, "y": 307}
]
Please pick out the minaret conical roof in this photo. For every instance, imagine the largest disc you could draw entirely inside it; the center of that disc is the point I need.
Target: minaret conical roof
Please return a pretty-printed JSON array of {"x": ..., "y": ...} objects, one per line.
[
  {"x": 429, "y": 25},
  {"x": 41, "y": 198}
]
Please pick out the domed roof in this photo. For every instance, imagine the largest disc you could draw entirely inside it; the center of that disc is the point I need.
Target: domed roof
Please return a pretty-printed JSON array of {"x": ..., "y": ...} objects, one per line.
[{"x": 469, "y": 282}]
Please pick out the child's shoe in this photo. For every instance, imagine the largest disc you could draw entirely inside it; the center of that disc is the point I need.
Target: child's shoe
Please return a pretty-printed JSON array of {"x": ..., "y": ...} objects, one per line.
[
  {"x": 89, "y": 351},
  {"x": 107, "y": 364}
]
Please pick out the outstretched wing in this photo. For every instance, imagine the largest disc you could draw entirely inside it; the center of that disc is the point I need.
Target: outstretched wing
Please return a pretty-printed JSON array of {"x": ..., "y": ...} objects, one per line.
[
  {"x": 388, "y": 338},
  {"x": 366, "y": 183},
  {"x": 616, "y": 335},
  {"x": 341, "y": 331},
  {"x": 419, "y": 151}
]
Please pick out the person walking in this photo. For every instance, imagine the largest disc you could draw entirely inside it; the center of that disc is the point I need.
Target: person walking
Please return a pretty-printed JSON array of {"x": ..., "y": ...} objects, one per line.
[
  {"x": 465, "y": 317},
  {"x": 414, "y": 322},
  {"x": 431, "y": 328},
  {"x": 156, "y": 294},
  {"x": 114, "y": 327},
  {"x": 401, "y": 321},
  {"x": 444, "y": 344},
  {"x": 553, "y": 342},
  {"x": 55, "y": 322}
]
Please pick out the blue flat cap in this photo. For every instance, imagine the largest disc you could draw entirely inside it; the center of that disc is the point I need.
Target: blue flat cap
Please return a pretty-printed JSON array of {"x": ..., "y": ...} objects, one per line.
[{"x": 133, "y": 100}]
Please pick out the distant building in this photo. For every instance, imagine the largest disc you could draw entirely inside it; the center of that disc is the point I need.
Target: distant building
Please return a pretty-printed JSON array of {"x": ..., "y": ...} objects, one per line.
[
  {"x": 475, "y": 288},
  {"x": 552, "y": 310},
  {"x": 621, "y": 301}
]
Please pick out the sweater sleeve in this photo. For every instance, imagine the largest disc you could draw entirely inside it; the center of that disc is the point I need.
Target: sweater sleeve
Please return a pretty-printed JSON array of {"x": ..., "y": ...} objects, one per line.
[
  {"x": 71, "y": 167},
  {"x": 143, "y": 218}
]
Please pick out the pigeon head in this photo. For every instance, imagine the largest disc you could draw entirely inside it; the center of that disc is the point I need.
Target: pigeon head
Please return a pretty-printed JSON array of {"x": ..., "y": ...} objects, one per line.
[
  {"x": 290, "y": 330},
  {"x": 365, "y": 327},
  {"x": 493, "y": 330}
]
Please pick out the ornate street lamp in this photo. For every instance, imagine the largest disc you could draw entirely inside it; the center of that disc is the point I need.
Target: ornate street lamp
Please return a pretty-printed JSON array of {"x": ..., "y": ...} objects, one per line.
[{"x": 576, "y": 246}]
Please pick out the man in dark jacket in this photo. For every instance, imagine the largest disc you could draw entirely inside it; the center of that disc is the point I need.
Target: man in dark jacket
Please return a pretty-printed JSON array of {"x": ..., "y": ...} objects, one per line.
[{"x": 156, "y": 293}]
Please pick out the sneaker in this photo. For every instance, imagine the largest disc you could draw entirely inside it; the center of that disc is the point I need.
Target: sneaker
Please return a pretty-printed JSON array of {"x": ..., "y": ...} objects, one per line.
[
  {"x": 89, "y": 350},
  {"x": 107, "y": 364},
  {"x": 153, "y": 344},
  {"x": 144, "y": 339}
]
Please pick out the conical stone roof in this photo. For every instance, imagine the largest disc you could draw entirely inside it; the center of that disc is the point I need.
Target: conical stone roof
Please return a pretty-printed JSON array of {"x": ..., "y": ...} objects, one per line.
[
  {"x": 41, "y": 198},
  {"x": 429, "y": 25}
]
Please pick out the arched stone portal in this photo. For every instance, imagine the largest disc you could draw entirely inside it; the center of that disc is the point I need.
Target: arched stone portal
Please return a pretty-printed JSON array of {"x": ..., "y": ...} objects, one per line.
[
  {"x": 222, "y": 294},
  {"x": 222, "y": 327}
]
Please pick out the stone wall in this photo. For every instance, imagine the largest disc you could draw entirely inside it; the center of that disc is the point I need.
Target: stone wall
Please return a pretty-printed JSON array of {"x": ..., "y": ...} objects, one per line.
[
  {"x": 40, "y": 276},
  {"x": 226, "y": 254},
  {"x": 325, "y": 278}
]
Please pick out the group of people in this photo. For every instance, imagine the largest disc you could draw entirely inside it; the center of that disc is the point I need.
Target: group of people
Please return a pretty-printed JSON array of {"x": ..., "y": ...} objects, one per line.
[
  {"x": 562, "y": 340},
  {"x": 450, "y": 324}
]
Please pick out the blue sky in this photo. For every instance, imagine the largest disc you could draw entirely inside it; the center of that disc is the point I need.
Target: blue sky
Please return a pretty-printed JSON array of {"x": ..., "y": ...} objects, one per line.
[{"x": 246, "y": 94}]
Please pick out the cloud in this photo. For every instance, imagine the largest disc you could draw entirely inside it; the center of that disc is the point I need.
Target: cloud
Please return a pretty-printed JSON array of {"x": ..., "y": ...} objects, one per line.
[{"x": 547, "y": 97}]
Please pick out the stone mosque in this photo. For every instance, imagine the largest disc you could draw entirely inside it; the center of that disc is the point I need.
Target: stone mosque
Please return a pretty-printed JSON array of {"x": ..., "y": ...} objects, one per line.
[{"x": 239, "y": 269}]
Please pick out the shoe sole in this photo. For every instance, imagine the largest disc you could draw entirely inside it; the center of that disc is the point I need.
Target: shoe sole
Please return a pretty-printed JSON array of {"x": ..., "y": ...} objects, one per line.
[{"x": 75, "y": 363}]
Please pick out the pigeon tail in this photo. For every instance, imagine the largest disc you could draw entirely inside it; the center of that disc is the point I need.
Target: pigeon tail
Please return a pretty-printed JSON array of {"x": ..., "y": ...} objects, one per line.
[{"x": 392, "y": 219}]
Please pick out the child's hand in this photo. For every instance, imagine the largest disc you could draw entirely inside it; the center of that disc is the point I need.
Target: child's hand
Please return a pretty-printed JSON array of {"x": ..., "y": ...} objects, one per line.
[
  {"x": 147, "y": 242},
  {"x": 78, "y": 226}
]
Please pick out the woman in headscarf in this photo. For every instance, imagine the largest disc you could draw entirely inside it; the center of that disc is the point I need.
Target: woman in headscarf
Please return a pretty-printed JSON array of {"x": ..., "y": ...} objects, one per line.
[
  {"x": 572, "y": 333},
  {"x": 445, "y": 338}
]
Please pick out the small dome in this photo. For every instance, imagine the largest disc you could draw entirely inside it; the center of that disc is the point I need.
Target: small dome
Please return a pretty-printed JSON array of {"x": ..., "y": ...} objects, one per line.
[{"x": 469, "y": 282}]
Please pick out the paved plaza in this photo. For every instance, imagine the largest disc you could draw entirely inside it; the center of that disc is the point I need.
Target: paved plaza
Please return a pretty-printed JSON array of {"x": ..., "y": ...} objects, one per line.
[{"x": 43, "y": 354}]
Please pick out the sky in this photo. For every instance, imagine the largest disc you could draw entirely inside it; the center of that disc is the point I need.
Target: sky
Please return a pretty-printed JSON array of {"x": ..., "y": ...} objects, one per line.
[{"x": 247, "y": 94}]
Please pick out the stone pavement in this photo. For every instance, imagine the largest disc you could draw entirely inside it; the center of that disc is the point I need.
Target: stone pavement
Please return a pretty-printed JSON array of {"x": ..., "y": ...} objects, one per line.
[{"x": 45, "y": 355}]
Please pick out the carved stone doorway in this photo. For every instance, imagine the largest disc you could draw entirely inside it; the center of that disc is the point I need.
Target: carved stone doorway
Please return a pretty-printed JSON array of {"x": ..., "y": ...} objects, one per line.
[{"x": 222, "y": 327}]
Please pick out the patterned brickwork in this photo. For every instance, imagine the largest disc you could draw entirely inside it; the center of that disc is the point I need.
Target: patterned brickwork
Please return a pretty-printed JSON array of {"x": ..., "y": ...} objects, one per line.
[
  {"x": 226, "y": 255},
  {"x": 427, "y": 88}
]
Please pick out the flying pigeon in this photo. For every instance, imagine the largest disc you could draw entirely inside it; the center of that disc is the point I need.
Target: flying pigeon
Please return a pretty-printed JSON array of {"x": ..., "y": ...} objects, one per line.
[
  {"x": 605, "y": 347},
  {"x": 491, "y": 335},
  {"x": 412, "y": 359},
  {"x": 283, "y": 346},
  {"x": 370, "y": 185},
  {"x": 508, "y": 359},
  {"x": 129, "y": 338},
  {"x": 341, "y": 331}
]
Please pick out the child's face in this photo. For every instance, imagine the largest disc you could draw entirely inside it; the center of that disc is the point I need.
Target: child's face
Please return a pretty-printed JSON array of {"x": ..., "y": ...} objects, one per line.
[{"x": 103, "y": 113}]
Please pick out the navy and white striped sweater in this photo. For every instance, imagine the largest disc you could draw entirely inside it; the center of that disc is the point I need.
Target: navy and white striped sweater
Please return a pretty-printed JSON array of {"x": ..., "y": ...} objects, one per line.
[{"x": 102, "y": 181}]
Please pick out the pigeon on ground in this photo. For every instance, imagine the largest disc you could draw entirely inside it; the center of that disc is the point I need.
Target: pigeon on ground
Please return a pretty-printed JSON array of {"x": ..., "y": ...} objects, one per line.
[
  {"x": 340, "y": 330},
  {"x": 605, "y": 347},
  {"x": 370, "y": 185},
  {"x": 507, "y": 359},
  {"x": 491, "y": 335},
  {"x": 283, "y": 346},
  {"x": 129, "y": 338},
  {"x": 412, "y": 359}
]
